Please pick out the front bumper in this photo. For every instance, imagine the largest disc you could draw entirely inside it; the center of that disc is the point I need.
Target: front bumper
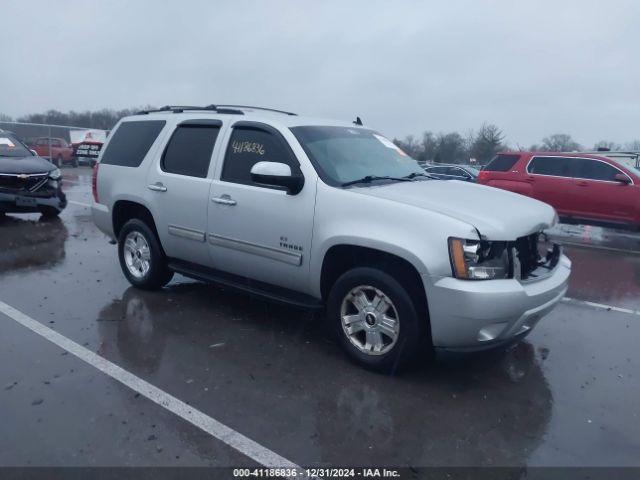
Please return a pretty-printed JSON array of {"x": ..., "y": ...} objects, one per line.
[
  {"x": 476, "y": 315},
  {"x": 32, "y": 202}
]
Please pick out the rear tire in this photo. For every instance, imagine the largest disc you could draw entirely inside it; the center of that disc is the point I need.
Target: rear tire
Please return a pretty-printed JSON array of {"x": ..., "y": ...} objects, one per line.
[
  {"x": 381, "y": 331},
  {"x": 141, "y": 257}
]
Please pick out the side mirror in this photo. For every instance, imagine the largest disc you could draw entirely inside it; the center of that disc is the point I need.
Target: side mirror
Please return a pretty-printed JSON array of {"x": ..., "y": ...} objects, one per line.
[
  {"x": 622, "y": 178},
  {"x": 277, "y": 174}
]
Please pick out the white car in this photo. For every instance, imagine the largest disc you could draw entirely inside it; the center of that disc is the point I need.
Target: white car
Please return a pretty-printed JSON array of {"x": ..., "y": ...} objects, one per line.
[{"x": 327, "y": 214}]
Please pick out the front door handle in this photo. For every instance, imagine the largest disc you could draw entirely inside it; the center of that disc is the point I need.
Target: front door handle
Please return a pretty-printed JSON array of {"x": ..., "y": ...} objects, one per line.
[
  {"x": 157, "y": 187},
  {"x": 224, "y": 200}
]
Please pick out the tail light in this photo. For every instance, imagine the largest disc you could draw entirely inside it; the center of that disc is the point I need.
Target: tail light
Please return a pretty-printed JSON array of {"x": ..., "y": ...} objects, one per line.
[
  {"x": 94, "y": 183},
  {"x": 483, "y": 175}
]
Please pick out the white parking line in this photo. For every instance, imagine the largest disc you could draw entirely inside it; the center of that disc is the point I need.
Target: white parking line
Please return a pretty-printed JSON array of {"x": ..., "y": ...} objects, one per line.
[
  {"x": 79, "y": 203},
  {"x": 601, "y": 306},
  {"x": 225, "y": 434}
]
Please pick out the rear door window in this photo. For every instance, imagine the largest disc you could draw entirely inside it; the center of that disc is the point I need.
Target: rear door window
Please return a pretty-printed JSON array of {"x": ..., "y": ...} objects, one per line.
[
  {"x": 502, "y": 163},
  {"x": 249, "y": 146},
  {"x": 189, "y": 150},
  {"x": 131, "y": 142}
]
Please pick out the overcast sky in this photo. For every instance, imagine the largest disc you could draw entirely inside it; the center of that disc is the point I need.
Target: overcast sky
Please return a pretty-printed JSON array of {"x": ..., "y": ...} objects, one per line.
[{"x": 533, "y": 68}]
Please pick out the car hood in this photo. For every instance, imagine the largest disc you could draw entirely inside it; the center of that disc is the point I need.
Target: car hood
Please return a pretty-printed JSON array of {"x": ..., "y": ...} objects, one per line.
[
  {"x": 496, "y": 214},
  {"x": 17, "y": 165}
]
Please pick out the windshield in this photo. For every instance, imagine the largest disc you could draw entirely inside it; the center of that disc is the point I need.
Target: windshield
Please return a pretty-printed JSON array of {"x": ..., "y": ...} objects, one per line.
[
  {"x": 343, "y": 154},
  {"x": 12, "y": 147}
]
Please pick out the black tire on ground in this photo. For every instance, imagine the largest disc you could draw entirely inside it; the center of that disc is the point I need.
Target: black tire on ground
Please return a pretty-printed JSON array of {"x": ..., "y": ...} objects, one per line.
[
  {"x": 412, "y": 337},
  {"x": 49, "y": 212},
  {"x": 159, "y": 274}
]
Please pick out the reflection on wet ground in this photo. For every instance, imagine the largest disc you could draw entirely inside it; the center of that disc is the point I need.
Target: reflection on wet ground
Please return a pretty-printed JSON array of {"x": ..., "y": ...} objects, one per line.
[
  {"x": 28, "y": 243},
  {"x": 565, "y": 396},
  {"x": 293, "y": 367}
]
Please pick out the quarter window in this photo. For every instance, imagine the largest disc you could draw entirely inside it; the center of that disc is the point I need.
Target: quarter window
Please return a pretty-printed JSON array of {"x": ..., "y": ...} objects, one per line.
[
  {"x": 189, "y": 150},
  {"x": 249, "y": 146},
  {"x": 131, "y": 142}
]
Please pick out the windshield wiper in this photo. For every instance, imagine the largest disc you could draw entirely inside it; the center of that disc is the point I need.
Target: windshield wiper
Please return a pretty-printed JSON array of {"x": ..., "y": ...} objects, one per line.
[
  {"x": 418, "y": 174},
  {"x": 371, "y": 178}
]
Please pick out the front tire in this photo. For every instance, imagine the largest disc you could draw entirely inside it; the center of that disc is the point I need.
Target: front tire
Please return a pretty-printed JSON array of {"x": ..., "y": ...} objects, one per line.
[
  {"x": 375, "y": 319},
  {"x": 141, "y": 257}
]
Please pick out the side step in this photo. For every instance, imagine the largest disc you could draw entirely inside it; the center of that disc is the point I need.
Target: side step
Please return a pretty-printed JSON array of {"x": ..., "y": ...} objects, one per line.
[{"x": 247, "y": 285}]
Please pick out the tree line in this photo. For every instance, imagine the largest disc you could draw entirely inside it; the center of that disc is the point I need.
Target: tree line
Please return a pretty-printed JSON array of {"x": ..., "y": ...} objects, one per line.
[
  {"x": 104, "y": 119},
  {"x": 452, "y": 147},
  {"x": 486, "y": 142}
]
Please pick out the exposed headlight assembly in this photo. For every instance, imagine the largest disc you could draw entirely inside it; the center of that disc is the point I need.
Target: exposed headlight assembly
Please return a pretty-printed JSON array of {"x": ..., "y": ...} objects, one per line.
[
  {"x": 479, "y": 259},
  {"x": 55, "y": 174}
]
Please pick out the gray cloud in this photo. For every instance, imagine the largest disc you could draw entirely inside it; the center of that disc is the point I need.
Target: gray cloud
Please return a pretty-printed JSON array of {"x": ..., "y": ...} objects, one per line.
[{"x": 533, "y": 68}]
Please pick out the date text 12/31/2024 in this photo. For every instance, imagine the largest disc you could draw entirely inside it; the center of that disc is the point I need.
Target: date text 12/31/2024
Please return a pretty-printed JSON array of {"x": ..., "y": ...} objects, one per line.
[{"x": 315, "y": 473}]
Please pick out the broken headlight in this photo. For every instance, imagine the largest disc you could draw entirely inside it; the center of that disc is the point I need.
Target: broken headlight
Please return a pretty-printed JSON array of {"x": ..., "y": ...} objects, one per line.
[
  {"x": 479, "y": 259},
  {"x": 55, "y": 174}
]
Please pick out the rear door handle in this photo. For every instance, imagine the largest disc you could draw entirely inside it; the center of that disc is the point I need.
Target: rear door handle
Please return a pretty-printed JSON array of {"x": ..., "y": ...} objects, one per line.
[
  {"x": 224, "y": 200},
  {"x": 157, "y": 187}
]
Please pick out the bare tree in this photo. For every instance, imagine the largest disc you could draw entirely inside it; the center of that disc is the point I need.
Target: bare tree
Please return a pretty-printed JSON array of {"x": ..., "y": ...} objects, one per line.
[
  {"x": 5, "y": 118},
  {"x": 633, "y": 146},
  {"x": 558, "y": 142}
]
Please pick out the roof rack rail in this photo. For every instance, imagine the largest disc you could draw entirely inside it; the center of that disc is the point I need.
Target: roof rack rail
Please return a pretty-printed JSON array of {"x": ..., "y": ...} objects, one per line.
[
  {"x": 260, "y": 108},
  {"x": 182, "y": 108}
]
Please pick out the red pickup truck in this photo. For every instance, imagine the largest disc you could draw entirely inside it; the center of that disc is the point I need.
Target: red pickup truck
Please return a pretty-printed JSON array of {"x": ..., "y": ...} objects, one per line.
[{"x": 57, "y": 150}]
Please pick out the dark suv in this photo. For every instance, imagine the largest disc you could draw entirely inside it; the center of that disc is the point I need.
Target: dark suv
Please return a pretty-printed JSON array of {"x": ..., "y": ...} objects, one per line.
[{"x": 28, "y": 183}]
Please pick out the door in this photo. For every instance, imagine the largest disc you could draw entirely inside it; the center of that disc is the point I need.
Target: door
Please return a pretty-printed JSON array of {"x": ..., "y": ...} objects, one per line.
[
  {"x": 179, "y": 185},
  {"x": 552, "y": 181},
  {"x": 255, "y": 231},
  {"x": 599, "y": 195}
]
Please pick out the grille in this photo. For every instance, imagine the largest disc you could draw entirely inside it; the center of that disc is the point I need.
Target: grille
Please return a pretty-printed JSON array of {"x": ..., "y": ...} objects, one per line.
[
  {"x": 17, "y": 184},
  {"x": 536, "y": 256}
]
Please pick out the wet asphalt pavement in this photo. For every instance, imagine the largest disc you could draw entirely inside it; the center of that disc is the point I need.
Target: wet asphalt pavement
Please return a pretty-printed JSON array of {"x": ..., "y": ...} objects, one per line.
[{"x": 569, "y": 395}]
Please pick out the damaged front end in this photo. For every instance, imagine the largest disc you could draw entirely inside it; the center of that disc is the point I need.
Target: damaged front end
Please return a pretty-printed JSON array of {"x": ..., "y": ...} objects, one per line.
[
  {"x": 32, "y": 192},
  {"x": 527, "y": 258}
]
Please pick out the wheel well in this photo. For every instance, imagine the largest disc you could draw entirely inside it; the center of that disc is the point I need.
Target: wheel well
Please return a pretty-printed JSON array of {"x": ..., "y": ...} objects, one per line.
[
  {"x": 124, "y": 210},
  {"x": 341, "y": 258}
]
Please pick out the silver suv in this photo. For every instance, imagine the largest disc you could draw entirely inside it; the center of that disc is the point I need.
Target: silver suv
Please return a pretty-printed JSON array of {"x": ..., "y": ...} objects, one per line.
[{"x": 327, "y": 214}]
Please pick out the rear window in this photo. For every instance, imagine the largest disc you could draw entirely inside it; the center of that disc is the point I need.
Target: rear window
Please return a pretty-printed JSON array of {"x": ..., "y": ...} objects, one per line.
[
  {"x": 502, "y": 163},
  {"x": 189, "y": 150},
  {"x": 131, "y": 142}
]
